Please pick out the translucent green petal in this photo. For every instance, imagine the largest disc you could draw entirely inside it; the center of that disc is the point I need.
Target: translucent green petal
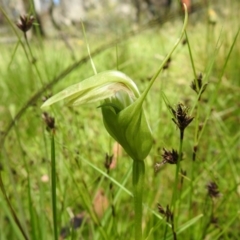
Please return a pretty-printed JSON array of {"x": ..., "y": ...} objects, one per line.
[{"x": 95, "y": 88}]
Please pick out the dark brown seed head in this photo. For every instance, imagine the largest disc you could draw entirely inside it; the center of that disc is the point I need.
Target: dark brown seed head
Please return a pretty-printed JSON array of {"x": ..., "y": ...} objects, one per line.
[
  {"x": 214, "y": 220},
  {"x": 184, "y": 41},
  {"x": 167, "y": 64},
  {"x": 25, "y": 22},
  {"x": 108, "y": 161},
  {"x": 213, "y": 191},
  {"x": 77, "y": 220},
  {"x": 181, "y": 117},
  {"x": 170, "y": 157},
  {"x": 161, "y": 209},
  {"x": 197, "y": 84},
  {"x": 50, "y": 121},
  {"x": 169, "y": 214}
]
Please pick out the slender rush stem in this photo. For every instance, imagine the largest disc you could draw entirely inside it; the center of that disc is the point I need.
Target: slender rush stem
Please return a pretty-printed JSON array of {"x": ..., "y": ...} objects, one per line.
[
  {"x": 53, "y": 179},
  {"x": 144, "y": 94},
  {"x": 13, "y": 213},
  {"x": 138, "y": 181},
  {"x": 33, "y": 61},
  {"x": 178, "y": 166}
]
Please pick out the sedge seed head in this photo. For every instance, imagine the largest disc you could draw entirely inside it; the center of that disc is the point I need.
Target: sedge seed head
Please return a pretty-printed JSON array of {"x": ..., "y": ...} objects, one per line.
[
  {"x": 168, "y": 157},
  {"x": 213, "y": 191},
  {"x": 25, "y": 23},
  {"x": 181, "y": 117},
  {"x": 49, "y": 121}
]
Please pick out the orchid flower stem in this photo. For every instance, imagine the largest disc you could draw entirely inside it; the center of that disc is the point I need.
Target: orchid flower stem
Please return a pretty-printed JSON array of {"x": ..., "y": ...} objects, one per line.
[{"x": 138, "y": 181}]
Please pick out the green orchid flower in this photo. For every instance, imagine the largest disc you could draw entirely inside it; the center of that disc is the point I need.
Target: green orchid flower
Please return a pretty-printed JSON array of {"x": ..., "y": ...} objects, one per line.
[{"x": 123, "y": 118}]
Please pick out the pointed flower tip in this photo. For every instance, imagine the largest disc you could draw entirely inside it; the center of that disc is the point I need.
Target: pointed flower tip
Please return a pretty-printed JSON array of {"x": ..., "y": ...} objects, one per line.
[
  {"x": 44, "y": 105},
  {"x": 96, "y": 88}
]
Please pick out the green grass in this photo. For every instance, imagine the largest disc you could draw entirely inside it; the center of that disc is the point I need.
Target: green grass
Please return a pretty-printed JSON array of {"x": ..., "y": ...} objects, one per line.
[{"x": 81, "y": 141}]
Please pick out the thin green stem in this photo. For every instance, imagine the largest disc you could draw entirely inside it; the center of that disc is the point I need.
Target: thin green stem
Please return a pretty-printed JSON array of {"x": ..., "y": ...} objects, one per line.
[
  {"x": 175, "y": 186},
  {"x": 15, "y": 32},
  {"x": 195, "y": 150},
  {"x": 20, "y": 222},
  {"x": 138, "y": 181},
  {"x": 196, "y": 128},
  {"x": 30, "y": 200},
  {"x": 17, "y": 221},
  {"x": 88, "y": 49},
  {"x": 53, "y": 180},
  {"x": 174, "y": 199},
  {"x": 143, "y": 96},
  {"x": 191, "y": 59},
  {"x": 175, "y": 189},
  {"x": 22, "y": 44},
  {"x": 33, "y": 58},
  {"x": 214, "y": 94}
]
